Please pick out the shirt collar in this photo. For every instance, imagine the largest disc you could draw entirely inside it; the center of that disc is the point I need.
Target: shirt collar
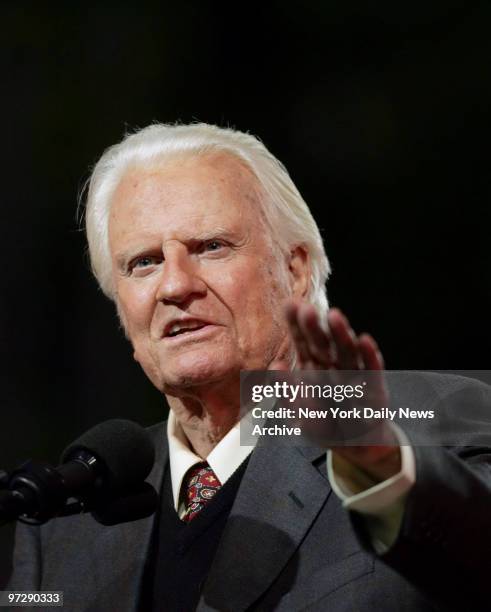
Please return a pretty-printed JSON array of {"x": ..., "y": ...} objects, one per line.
[{"x": 224, "y": 459}]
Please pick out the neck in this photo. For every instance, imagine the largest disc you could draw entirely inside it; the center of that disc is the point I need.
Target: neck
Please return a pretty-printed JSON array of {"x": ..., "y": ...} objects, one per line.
[
  {"x": 206, "y": 414},
  {"x": 206, "y": 417}
]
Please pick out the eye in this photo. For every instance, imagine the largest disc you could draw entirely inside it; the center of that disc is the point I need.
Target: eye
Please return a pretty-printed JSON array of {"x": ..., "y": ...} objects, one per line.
[
  {"x": 144, "y": 262},
  {"x": 213, "y": 245}
]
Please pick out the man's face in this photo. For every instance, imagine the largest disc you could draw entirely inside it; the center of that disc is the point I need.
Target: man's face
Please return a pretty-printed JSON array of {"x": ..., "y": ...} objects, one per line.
[{"x": 198, "y": 286}]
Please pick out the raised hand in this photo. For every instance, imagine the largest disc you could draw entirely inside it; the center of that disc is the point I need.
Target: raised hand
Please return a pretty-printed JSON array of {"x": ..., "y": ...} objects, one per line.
[{"x": 338, "y": 348}]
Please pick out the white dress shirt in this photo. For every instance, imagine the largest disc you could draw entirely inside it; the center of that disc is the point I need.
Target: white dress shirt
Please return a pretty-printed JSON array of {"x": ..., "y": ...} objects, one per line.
[
  {"x": 381, "y": 503},
  {"x": 224, "y": 459}
]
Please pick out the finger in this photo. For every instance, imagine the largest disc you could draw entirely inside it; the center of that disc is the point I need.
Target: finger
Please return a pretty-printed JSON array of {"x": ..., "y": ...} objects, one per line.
[
  {"x": 301, "y": 345},
  {"x": 279, "y": 366},
  {"x": 346, "y": 342},
  {"x": 318, "y": 341},
  {"x": 370, "y": 353},
  {"x": 373, "y": 360}
]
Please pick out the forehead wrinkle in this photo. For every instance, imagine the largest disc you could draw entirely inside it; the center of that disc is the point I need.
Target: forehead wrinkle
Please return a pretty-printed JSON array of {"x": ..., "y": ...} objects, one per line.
[
  {"x": 149, "y": 189},
  {"x": 193, "y": 227},
  {"x": 229, "y": 172},
  {"x": 153, "y": 239}
]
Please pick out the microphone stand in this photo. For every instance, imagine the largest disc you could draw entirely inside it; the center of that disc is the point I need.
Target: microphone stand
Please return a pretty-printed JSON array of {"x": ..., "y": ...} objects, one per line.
[
  {"x": 32, "y": 493},
  {"x": 35, "y": 492}
]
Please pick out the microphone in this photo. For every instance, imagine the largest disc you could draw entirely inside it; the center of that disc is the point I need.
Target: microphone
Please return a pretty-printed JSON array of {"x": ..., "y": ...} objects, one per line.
[
  {"x": 136, "y": 504},
  {"x": 103, "y": 471}
]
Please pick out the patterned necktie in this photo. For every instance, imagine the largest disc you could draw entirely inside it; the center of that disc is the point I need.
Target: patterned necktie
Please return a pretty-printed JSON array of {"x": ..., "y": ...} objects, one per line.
[{"x": 201, "y": 486}]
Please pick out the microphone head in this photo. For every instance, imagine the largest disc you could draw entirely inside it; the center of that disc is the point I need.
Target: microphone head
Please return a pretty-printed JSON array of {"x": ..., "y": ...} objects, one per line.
[
  {"x": 123, "y": 447},
  {"x": 134, "y": 505}
]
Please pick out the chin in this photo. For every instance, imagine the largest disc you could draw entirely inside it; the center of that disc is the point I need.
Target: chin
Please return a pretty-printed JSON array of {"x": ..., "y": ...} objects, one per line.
[{"x": 194, "y": 370}]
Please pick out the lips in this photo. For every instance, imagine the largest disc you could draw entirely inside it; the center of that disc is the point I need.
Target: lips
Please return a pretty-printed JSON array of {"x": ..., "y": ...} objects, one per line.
[{"x": 180, "y": 327}]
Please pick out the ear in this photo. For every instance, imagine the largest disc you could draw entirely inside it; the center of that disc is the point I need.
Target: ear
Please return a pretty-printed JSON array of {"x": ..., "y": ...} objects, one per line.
[{"x": 299, "y": 271}]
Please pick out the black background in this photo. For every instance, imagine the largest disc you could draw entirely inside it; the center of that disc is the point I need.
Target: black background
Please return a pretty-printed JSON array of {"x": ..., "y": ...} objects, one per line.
[{"x": 380, "y": 114}]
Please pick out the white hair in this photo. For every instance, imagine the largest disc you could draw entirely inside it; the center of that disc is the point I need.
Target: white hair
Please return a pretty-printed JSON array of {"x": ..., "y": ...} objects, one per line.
[{"x": 284, "y": 209}]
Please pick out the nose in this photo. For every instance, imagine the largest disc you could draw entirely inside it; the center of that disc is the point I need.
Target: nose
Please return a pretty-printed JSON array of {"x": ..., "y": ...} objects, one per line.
[{"x": 180, "y": 278}]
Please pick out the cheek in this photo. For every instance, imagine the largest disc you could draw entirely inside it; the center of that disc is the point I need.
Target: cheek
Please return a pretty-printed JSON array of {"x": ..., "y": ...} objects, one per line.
[
  {"x": 268, "y": 289},
  {"x": 136, "y": 307},
  {"x": 260, "y": 307}
]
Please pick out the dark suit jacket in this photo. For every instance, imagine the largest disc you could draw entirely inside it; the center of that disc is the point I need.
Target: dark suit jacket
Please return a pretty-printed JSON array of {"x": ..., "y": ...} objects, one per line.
[{"x": 289, "y": 545}]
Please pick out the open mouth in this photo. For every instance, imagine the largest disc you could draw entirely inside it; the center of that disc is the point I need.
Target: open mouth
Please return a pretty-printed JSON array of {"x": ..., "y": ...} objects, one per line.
[{"x": 183, "y": 328}]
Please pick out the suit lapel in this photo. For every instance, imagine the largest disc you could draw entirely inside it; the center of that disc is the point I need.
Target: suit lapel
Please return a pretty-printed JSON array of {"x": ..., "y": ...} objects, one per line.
[{"x": 280, "y": 495}]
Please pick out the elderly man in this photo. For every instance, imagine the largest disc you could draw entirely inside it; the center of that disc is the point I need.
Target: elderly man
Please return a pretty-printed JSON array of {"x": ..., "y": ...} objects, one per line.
[{"x": 216, "y": 265}]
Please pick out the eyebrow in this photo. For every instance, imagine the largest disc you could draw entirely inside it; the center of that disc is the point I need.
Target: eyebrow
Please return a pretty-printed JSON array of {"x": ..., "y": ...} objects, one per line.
[
  {"x": 217, "y": 232},
  {"x": 124, "y": 257}
]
